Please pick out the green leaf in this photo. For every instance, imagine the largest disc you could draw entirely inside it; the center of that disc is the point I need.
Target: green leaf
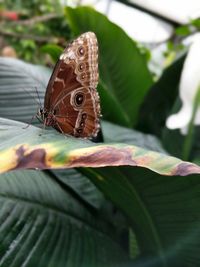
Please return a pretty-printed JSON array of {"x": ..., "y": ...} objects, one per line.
[
  {"x": 160, "y": 99},
  {"x": 163, "y": 212},
  {"x": 19, "y": 85},
  {"x": 38, "y": 215},
  {"x": 123, "y": 68},
  {"x": 174, "y": 141},
  {"x": 81, "y": 185},
  {"x": 113, "y": 133},
  {"x": 110, "y": 104},
  {"x": 196, "y": 22},
  {"x": 183, "y": 30},
  {"x": 53, "y": 50},
  {"x": 47, "y": 149},
  {"x": 126, "y": 196}
]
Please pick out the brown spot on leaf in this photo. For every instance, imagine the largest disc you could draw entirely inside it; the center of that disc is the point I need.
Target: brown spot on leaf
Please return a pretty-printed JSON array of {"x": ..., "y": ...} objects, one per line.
[
  {"x": 101, "y": 157},
  {"x": 186, "y": 168},
  {"x": 34, "y": 159}
]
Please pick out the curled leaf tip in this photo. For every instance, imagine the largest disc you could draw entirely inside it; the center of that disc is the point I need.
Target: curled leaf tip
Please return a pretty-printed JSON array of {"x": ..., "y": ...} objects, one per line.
[{"x": 186, "y": 168}]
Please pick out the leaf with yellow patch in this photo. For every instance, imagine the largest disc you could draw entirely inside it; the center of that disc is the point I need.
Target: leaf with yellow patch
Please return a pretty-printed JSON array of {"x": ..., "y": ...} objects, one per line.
[{"x": 42, "y": 149}]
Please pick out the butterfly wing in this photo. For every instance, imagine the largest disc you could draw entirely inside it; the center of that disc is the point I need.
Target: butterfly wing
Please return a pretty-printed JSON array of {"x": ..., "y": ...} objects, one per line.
[{"x": 71, "y": 96}]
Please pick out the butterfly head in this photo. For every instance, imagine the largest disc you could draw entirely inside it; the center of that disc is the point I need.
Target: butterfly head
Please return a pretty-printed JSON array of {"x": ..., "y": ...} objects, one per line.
[{"x": 40, "y": 114}]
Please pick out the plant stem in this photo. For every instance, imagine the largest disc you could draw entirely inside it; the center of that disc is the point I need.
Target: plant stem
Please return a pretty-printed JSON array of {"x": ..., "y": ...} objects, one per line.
[{"x": 187, "y": 145}]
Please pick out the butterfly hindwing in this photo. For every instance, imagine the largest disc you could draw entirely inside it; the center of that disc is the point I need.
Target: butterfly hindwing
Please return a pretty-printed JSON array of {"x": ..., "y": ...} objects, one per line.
[{"x": 71, "y": 100}]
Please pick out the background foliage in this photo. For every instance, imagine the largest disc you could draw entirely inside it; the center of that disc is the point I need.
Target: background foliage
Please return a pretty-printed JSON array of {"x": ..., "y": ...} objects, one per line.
[{"x": 84, "y": 216}]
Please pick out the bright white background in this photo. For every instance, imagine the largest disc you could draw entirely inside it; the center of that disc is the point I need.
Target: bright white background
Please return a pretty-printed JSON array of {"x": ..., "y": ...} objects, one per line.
[{"x": 141, "y": 26}]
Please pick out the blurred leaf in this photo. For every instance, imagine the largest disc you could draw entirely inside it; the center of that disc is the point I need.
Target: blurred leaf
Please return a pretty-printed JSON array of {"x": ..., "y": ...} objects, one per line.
[
  {"x": 196, "y": 22},
  {"x": 160, "y": 99},
  {"x": 19, "y": 84},
  {"x": 172, "y": 139},
  {"x": 38, "y": 215},
  {"x": 113, "y": 133},
  {"x": 183, "y": 30},
  {"x": 53, "y": 50},
  {"x": 123, "y": 69},
  {"x": 170, "y": 45},
  {"x": 111, "y": 108},
  {"x": 186, "y": 147}
]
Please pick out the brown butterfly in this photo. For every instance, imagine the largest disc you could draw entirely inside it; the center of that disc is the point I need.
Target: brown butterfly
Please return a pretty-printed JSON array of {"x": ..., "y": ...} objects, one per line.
[{"x": 71, "y": 102}]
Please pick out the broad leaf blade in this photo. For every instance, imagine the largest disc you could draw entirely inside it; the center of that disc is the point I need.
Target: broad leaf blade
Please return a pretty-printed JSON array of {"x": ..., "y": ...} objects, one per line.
[
  {"x": 163, "y": 212},
  {"x": 160, "y": 99},
  {"x": 38, "y": 215},
  {"x": 47, "y": 149},
  {"x": 111, "y": 108},
  {"x": 19, "y": 85},
  {"x": 118, "y": 134},
  {"x": 80, "y": 185}
]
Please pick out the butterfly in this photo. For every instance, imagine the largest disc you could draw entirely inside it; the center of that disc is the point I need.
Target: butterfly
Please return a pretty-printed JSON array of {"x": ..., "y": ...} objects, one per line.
[{"x": 71, "y": 103}]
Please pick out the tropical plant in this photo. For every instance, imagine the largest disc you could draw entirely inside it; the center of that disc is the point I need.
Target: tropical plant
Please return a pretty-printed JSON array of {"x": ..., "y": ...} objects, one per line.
[{"x": 122, "y": 202}]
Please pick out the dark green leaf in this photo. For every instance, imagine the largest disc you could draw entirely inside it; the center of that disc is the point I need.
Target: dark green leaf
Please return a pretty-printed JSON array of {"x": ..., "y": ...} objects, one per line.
[
  {"x": 183, "y": 30},
  {"x": 111, "y": 108},
  {"x": 19, "y": 84},
  {"x": 160, "y": 99},
  {"x": 163, "y": 212},
  {"x": 196, "y": 23},
  {"x": 53, "y": 50},
  {"x": 81, "y": 185},
  {"x": 44, "y": 225},
  {"x": 113, "y": 133}
]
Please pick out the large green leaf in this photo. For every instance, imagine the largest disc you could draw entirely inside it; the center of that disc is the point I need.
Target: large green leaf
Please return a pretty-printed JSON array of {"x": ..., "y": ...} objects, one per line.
[
  {"x": 117, "y": 134},
  {"x": 18, "y": 87},
  {"x": 79, "y": 185},
  {"x": 19, "y": 84},
  {"x": 142, "y": 195},
  {"x": 32, "y": 147},
  {"x": 111, "y": 108},
  {"x": 160, "y": 99},
  {"x": 52, "y": 150},
  {"x": 43, "y": 224},
  {"x": 166, "y": 101},
  {"x": 122, "y": 67},
  {"x": 163, "y": 212}
]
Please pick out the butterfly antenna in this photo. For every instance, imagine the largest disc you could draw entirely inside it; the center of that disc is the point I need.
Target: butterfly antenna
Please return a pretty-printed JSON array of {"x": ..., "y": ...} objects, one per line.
[
  {"x": 32, "y": 96},
  {"x": 40, "y": 103}
]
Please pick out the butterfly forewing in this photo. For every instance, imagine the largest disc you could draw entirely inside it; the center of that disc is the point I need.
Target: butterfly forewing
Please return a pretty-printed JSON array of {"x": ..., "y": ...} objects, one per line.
[{"x": 71, "y": 101}]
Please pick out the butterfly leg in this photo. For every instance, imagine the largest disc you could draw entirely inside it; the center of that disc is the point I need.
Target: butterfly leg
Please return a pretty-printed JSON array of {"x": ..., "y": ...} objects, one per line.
[
  {"x": 60, "y": 128},
  {"x": 65, "y": 135},
  {"x": 28, "y": 124},
  {"x": 43, "y": 125}
]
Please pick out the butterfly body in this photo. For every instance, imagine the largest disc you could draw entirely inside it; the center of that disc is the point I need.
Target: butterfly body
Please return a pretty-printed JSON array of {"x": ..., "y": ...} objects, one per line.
[{"x": 71, "y": 101}]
